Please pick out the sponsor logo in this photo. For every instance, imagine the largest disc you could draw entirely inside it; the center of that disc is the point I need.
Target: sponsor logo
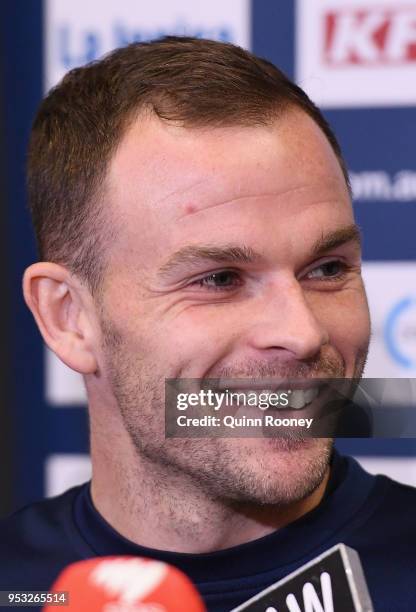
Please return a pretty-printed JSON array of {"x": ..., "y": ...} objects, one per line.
[
  {"x": 380, "y": 186},
  {"x": 75, "y": 49},
  {"x": 391, "y": 292},
  {"x": 356, "y": 52},
  {"x": 400, "y": 332},
  {"x": 373, "y": 35},
  {"x": 78, "y": 32}
]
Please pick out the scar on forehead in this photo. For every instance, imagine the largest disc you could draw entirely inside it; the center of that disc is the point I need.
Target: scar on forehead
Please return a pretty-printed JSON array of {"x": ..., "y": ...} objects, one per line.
[{"x": 189, "y": 208}]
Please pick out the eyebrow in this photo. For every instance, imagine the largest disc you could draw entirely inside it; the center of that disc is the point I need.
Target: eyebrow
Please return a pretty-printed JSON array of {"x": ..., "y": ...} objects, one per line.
[
  {"x": 196, "y": 254},
  {"x": 337, "y": 238}
]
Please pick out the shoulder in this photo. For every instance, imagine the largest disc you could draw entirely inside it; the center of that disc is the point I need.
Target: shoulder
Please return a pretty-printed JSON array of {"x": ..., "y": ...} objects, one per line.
[
  {"x": 385, "y": 538},
  {"x": 36, "y": 524},
  {"x": 37, "y": 541},
  {"x": 397, "y": 505},
  {"x": 383, "y": 526},
  {"x": 374, "y": 515},
  {"x": 372, "y": 507},
  {"x": 387, "y": 492},
  {"x": 395, "y": 493}
]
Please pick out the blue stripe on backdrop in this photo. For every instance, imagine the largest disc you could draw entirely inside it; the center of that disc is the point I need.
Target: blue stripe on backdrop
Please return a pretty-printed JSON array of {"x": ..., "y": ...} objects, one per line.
[
  {"x": 273, "y": 26},
  {"x": 22, "y": 37},
  {"x": 6, "y": 432},
  {"x": 67, "y": 430},
  {"x": 379, "y": 146},
  {"x": 377, "y": 447}
]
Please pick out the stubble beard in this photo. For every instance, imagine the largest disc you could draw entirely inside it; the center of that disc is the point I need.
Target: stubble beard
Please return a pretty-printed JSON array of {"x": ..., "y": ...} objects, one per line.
[{"x": 236, "y": 471}]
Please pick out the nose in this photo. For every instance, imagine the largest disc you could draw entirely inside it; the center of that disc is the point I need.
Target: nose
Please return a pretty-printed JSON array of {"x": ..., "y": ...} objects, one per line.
[{"x": 284, "y": 321}]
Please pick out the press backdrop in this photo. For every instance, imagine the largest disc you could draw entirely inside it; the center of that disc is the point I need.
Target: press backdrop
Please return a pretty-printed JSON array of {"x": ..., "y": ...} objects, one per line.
[{"x": 357, "y": 60}]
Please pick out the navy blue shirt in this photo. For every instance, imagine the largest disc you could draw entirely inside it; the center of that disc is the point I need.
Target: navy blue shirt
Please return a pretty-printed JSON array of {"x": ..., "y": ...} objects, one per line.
[{"x": 374, "y": 515}]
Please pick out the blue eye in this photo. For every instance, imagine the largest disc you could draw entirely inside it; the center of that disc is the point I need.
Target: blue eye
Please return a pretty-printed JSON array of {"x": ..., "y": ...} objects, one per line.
[
  {"x": 330, "y": 270},
  {"x": 217, "y": 281}
]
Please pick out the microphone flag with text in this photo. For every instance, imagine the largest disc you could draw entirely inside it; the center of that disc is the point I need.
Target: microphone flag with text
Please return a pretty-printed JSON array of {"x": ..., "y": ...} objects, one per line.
[{"x": 332, "y": 582}]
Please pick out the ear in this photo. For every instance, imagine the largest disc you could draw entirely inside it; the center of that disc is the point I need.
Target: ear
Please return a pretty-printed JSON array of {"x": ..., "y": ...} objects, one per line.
[{"x": 64, "y": 312}]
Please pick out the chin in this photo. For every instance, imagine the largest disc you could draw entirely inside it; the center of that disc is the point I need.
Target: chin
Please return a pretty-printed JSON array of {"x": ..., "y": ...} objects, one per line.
[{"x": 277, "y": 471}]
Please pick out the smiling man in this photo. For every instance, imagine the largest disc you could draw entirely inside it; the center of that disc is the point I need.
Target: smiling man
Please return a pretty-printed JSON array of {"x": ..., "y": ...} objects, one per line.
[{"x": 194, "y": 220}]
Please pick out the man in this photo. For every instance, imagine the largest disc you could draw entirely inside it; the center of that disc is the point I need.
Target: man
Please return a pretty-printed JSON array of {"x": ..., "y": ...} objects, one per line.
[{"x": 194, "y": 220}]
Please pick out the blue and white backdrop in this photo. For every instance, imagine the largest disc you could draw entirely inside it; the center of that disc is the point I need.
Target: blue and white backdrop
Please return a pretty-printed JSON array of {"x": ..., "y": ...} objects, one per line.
[{"x": 355, "y": 58}]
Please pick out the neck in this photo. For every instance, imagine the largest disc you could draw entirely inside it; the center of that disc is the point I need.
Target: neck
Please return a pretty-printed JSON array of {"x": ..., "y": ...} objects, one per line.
[{"x": 166, "y": 510}]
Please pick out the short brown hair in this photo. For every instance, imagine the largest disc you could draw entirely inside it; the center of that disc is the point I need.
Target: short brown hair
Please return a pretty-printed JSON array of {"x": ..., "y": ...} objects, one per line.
[{"x": 192, "y": 81}]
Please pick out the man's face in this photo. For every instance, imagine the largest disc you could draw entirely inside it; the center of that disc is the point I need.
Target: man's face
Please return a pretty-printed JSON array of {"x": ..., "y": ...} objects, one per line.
[{"x": 220, "y": 270}]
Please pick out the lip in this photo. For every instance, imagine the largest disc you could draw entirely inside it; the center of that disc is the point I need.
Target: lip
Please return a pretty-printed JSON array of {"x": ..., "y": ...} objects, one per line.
[{"x": 268, "y": 384}]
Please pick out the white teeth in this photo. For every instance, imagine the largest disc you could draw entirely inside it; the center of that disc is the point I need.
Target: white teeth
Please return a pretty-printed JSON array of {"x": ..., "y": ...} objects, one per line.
[
  {"x": 261, "y": 397},
  {"x": 311, "y": 394},
  {"x": 299, "y": 398}
]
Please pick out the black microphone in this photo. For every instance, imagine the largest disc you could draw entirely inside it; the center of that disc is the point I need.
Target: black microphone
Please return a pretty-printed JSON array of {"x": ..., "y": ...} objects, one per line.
[{"x": 332, "y": 582}]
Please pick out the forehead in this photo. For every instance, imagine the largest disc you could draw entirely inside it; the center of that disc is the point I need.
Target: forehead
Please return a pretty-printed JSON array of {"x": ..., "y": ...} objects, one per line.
[{"x": 168, "y": 184}]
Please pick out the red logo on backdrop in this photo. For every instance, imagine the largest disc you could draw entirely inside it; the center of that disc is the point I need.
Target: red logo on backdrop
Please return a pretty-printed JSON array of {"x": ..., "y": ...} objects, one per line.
[{"x": 370, "y": 36}]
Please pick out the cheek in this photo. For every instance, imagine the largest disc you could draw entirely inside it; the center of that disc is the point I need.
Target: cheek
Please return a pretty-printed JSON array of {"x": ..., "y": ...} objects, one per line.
[
  {"x": 345, "y": 317},
  {"x": 185, "y": 341},
  {"x": 198, "y": 338}
]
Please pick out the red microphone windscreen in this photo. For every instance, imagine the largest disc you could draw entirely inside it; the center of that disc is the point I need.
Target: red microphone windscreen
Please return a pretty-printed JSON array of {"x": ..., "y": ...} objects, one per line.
[{"x": 126, "y": 584}]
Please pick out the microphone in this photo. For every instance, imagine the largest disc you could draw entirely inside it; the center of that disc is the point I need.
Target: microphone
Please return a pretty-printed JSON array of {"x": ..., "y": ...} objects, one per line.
[
  {"x": 332, "y": 582},
  {"x": 126, "y": 584}
]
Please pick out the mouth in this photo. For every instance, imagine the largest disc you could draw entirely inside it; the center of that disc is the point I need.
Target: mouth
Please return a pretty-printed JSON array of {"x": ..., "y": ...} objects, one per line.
[
  {"x": 276, "y": 398},
  {"x": 299, "y": 398}
]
